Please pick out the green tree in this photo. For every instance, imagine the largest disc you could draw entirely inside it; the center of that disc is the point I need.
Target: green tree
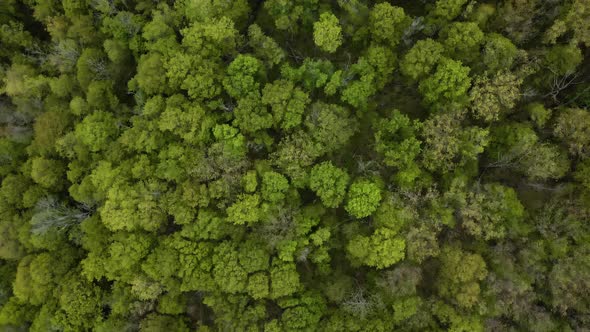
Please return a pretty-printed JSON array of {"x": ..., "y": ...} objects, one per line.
[
  {"x": 286, "y": 101},
  {"x": 245, "y": 210},
  {"x": 274, "y": 186},
  {"x": 421, "y": 59},
  {"x": 363, "y": 198},
  {"x": 387, "y": 23},
  {"x": 462, "y": 40},
  {"x": 459, "y": 276},
  {"x": 381, "y": 250},
  {"x": 499, "y": 52},
  {"x": 329, "y": 183},
  {"x": 395, "y": 140},
  {"x": 573, "y": 128},
  {"x": 492, "y": 212},
  {"x": 492, "y": 98},
  {"x": 49, "y": 173},
  {"x": 264, "y": 47},
  {"x": 241, "y": 76},
  {"x": 327, "y": 33},
  {"x": 447, "y": 86}
]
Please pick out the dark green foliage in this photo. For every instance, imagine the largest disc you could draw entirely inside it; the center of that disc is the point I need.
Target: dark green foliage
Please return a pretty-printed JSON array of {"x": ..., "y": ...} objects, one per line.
[{"x": 294, "y": 165}]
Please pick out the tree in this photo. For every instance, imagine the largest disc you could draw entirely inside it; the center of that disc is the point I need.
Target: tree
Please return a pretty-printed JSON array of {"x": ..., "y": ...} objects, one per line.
[
  {"x": 447, "y": 86},
  {"x": 395, "y": 140},
  {"x": 286, "y": 101},
  {"x": 363, "y": 198},
  {"x": 91, "y": 65},
  {"x": 241, "y": 76},
  {"x": 284, "y": 279},
  {"x": 462, "y": 40},
  {"x": 97, "y": 130},
  {"x": 492, "y": 212},
  {"x": 49, "y": 173},
  {"x": 330, "y": 126},
  {"x": 274, "y": 186},
  {"x": 245, "y": 210},
  {"x": 388, "y": 23},
  {"x": 287, "y": 14},
  {"x": 327, "y": 33},
  {"x": 447, "y": 145},
  {"x": 492, "y": 98},
  {"x": 264, "y": 47},
  {"x": 329, "y": 183},
  {"x": 499, "y": 53},
  {"x": 443, "y": 11},
  {"x": 460, "y": 274},
  {"x": 381, "y": 250},
  {"x": 201, "y": 11},
  {"x": 421, "y": 59},
  {"x": 133, "y": 206},
  {"x": 229, "y": 275},
  {"x": 573, "y": 128}
]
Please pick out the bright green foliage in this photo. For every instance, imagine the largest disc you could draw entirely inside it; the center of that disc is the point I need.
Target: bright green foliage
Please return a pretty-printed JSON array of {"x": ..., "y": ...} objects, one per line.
[
  {"x": 330, "y": 126},
  {"x": 380, "y": 250},
  {"x": 406, "y": 308},
  {"x": 396, "y": 141},
  {"x": 37, "y": 276},
  {"x": 491, "y": 212},
  {"x": 49, "y": 173},
  {"x": 129, "y": 207},
  {"x": 329, "y": 183},
  {"x": 245, "y": 210},
  {"x": 237, "y": 11},
  {"x": 462, "y": 41},
  {"x": 573, "y": 127},
  {"x": 456, "y": 321},
  {"x": 538, "y": 113},
  {"x": 363, "y": 198},
  {"x": 286, "y": 101},
  {"x": 229, "y": 275},
  {"x": 294, "y": 165},
  {"x": 251, "y": 115},
  {"x": 214, "y": 38},
  {"x": 241, "y": 76},
  {"x": 460, "y": 274},
  {"x": 387, "y": 23},
  {"x": 274, "y": 186},
  {"x": 284, "y": 280},
  {"x": 421, "y": 58},
  {"x": 250, "y": 181},
  {"x": 327, "y": 33},
  {"x": 258, "y": 285},
  {"x": 79, "y": 302},
  {"x": 96, "y": 130},
  {"x": 448, "y": 84},
  {"x": 120, "y": 259}
]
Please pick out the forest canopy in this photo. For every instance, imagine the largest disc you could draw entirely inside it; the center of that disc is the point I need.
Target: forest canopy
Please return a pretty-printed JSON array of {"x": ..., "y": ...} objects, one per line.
[{"x": 294, "y": 165}]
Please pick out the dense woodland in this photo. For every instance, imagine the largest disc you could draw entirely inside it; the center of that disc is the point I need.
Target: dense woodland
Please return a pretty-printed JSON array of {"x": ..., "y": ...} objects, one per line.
[{"x": 295, "y": 165}]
